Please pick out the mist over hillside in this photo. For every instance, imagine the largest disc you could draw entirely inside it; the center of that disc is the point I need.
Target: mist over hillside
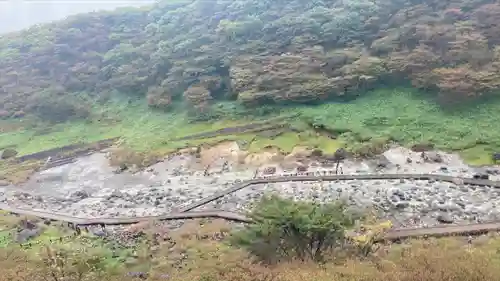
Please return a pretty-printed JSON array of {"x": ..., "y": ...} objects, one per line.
[{"x": 20, "y": 14}]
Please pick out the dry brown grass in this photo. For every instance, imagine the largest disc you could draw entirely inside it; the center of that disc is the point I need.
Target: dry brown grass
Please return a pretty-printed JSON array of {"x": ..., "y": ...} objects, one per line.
[{"x": 208, "y": 259}]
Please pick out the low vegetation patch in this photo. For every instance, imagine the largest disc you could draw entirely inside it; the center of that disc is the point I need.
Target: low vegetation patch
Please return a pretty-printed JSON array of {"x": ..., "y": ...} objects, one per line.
[
  {"x": 364, "y": 126},
  {"x": 287, "y": 230},
  {"x": 290, "y": 241}
]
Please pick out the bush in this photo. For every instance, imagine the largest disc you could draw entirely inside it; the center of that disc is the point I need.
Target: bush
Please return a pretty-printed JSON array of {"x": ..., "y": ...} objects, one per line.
[
  {"x": 56, "y": 107},
  {"x": 284, "y": 229},
  {"x": 125, "y": 158}
]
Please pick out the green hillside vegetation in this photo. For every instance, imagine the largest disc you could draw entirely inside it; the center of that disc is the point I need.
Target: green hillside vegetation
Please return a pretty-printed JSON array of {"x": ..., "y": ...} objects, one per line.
[
  {"x": 371, "y": 71},
  {"x": 398, "y": 115}
]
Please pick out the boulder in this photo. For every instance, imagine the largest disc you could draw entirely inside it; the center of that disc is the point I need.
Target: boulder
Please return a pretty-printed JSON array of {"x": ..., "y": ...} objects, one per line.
[
  {"x": 269, "y": 171},
  {"x": 495, "y": 156},
  {"x": 432, "y": 157},
  {"x": 481, "y": 176},
  {"x": 444, "y": 218},
  {"x": 382, "y": 162},
  {"x": 302, "y": 168},
  {"x": 8, "y": 153}
]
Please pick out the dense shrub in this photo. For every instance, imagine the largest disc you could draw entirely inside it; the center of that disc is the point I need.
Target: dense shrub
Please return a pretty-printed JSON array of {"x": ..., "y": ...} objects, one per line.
[{"x": 285, "y": 229}]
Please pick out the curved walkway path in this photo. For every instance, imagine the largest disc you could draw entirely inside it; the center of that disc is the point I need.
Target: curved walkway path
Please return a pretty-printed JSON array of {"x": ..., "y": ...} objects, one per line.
[{"x": 187, "y": 213}]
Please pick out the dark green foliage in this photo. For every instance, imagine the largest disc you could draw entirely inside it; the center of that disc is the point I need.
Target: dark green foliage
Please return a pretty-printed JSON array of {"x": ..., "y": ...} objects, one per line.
[
  {"x": 58, "y": 107},
  {"x": 288, "y": 229},
  {"x": 256, "y": 52}
]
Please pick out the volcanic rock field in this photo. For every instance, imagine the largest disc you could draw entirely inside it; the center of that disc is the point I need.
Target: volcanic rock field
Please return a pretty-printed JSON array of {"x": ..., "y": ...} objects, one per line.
[{"x": 91, "y": 188}]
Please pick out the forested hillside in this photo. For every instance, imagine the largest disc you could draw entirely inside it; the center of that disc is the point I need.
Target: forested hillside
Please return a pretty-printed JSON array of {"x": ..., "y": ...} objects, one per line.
[
  {"x": 19, "y": 14},
  {"x": 252, "y": 51}
]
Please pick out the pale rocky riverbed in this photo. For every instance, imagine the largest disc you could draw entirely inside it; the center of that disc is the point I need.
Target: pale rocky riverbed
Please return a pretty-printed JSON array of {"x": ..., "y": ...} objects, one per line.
[{"x": 91, "y": 188}]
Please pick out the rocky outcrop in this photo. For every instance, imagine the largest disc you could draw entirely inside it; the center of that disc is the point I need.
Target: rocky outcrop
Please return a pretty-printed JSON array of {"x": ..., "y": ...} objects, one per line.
[{"x": 7, "y": 153}]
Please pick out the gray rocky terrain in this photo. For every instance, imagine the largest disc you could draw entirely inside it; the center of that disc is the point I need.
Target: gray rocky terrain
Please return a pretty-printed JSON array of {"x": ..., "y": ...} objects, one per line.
[{"x": 91, "y": 188}]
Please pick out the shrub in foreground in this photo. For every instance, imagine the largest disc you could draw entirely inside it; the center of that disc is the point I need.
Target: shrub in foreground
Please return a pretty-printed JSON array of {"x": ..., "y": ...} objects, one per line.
[{"x": 285, "y": 229}]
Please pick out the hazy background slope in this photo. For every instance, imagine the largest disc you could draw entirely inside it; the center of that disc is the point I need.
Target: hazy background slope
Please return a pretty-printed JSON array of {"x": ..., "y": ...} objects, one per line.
[{"x": 19, "y": 14}]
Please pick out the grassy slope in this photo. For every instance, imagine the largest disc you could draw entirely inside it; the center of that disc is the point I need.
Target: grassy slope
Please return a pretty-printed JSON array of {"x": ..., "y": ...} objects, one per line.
[{"x": 400, "y": 114}]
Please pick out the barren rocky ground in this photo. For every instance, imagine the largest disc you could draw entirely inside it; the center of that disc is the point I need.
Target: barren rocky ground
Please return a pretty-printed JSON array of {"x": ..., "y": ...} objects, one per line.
[{"x": 91, "y": 188}]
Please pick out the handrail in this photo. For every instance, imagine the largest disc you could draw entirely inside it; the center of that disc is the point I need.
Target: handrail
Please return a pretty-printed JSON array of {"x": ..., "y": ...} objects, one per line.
[{"x": 187, "y": 213}]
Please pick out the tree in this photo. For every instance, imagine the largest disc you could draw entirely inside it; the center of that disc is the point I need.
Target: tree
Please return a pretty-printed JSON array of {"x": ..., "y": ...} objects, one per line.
[{"x": 288, "y": 229}]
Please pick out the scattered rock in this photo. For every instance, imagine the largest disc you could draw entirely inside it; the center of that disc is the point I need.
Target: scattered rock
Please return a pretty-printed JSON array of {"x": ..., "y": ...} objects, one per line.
[
  {"x": 269, "y": 170},
  {"x": 481, "y": 176},
  {"x": 432, "y": 157},
  {"x": 121, "y": 168},
  {"x": 402, "y": 204},
  {"x": 79, "y": 195},
  {"x": 410, "y": 197},
  {"x": 302, "y": 168},
  {"x": 382, "y": 162},
  {"x": 492, "y": 171}
]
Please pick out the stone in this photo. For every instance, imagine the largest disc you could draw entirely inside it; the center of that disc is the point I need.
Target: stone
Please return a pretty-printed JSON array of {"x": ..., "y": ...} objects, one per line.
[
  {"x": 269, "y": 171},
  {"x": 432, "y": 157},
  {"x": 481, "y": 176},
  {"x": 302, "y": 168},
  {"x": 8, "y": 153},
  {"x": 492, "y": 171},
  {"x": 79, "y": 195},
  {"x": 382, "y": 162},
  {"x": 445, "y": 218},
  {"x": 402, "y": 205},
  {"x": 495, "y": 156}
]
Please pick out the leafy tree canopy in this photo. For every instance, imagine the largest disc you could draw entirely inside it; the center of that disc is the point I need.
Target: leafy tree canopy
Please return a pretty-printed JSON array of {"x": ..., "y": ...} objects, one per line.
[{"x": 254, "y": 51}]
